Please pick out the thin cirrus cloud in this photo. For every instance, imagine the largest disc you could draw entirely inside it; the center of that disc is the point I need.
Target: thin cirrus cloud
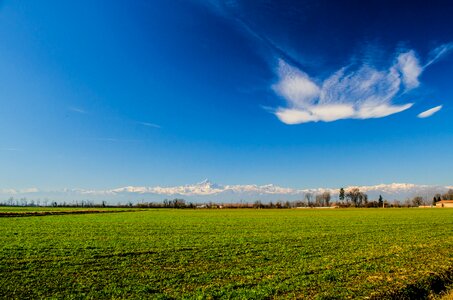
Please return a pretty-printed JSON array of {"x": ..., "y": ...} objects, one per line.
[
  {"x": 438, "y": 53},
  {"x": 147, "y": 124},
  {"x": 429, "y": 112},
  {"x": 349, "y": 93},
  {"x": 77, "y": 110}
]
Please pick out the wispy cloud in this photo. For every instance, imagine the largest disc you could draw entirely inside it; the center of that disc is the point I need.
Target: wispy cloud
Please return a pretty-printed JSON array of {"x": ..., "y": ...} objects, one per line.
[
  {"x": 361, "y": 92},
  {"x": 77, "y": 110},
  {"x": 429, "y": 112},
  {"x": 438, "y": 53},
  {"x": 410, "y": 69},
  {"x": 353, "y": 92},
  {"x": 147, "y": 124}
]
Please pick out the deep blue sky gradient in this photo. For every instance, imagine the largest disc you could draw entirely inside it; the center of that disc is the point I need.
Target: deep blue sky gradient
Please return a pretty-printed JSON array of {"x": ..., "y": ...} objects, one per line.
[{"x": 79, "y": 80}]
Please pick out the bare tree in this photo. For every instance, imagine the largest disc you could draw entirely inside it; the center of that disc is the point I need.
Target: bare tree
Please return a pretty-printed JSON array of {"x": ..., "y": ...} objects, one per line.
[
  {"x": 309, "y": 198},
  {"x": 319, "y": 201},
  {"x": 323, "y": 199},
  {"x": 327, "y": 197},
  {"x": 357, "y": 198},
  {"x": 417, "y": 201},
  {"x": 448, "y": 195}
]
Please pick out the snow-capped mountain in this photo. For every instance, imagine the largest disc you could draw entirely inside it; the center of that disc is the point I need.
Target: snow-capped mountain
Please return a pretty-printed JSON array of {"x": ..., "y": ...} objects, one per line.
[{"x": 208, "y": 191}]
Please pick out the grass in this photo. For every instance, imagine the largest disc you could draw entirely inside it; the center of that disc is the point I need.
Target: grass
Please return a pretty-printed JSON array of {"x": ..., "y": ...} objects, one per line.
[{"x": 316, "y": 254}]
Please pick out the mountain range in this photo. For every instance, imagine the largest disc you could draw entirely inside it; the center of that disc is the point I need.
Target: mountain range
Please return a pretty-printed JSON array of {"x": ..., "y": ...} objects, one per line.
[{"x": 206, "y": 191}]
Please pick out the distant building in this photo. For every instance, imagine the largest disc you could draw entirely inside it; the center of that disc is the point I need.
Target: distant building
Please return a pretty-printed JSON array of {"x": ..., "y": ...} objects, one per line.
[{"x": 444, "y": 203}]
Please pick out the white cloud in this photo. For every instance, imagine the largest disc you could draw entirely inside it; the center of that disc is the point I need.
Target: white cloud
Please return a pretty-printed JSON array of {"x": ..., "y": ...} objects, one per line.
[
  {"x": 296, "y": 86},
  {"x": 362, "y": 92},
  {"x": 380, "y": 111},
  {"x": 410, "y": 69},
  {"x": 325, "y": 113},
  {"x": 347, "y": 94},
  {"x": 295, "y": 116},
  {"x": 429, "y": 112}
]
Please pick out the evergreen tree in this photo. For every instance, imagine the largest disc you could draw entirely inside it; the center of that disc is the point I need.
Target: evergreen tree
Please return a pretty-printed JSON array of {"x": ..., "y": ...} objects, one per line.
[
  {"x": 341, "y": 197},
  {"x": 380, "y": 201}
]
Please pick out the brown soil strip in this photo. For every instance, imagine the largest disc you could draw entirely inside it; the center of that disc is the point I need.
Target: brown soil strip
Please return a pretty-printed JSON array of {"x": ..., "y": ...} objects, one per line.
[{"x": 53, "y": 213}]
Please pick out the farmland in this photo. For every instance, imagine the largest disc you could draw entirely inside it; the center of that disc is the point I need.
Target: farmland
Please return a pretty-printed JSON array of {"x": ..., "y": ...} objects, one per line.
[{"x": 242, "y": 253}]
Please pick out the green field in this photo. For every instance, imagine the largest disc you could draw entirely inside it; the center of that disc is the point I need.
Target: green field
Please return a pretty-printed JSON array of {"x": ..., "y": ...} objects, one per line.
[{"x": 244, "y": 253}]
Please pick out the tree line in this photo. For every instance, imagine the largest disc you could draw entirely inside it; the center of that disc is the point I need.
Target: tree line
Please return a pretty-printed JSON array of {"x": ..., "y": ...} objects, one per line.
[{"x": 350, "y": 198}]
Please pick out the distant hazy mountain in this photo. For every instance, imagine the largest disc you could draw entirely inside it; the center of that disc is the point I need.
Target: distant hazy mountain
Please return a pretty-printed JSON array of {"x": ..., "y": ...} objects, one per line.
[{"x": 205, "y": 191}]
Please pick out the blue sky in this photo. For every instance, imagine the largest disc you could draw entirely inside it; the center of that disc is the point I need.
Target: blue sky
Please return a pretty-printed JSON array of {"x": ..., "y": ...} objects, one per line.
[{"x": 99, "y": 94}]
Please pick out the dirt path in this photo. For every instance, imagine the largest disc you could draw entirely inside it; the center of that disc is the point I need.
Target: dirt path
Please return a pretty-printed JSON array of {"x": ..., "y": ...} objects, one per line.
[{"x": 51, "y": 213}]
